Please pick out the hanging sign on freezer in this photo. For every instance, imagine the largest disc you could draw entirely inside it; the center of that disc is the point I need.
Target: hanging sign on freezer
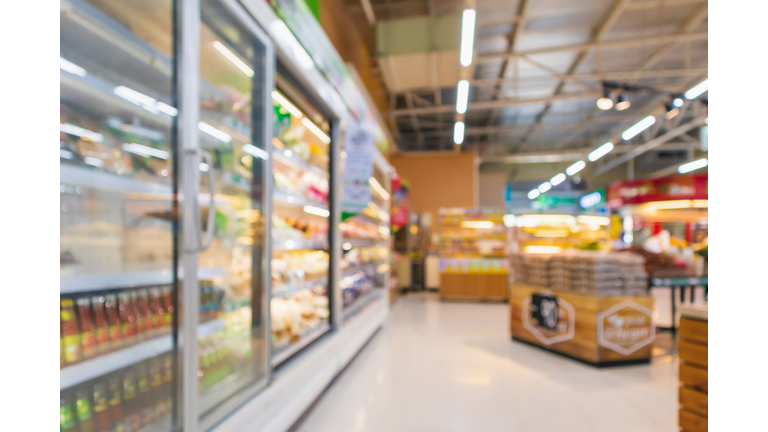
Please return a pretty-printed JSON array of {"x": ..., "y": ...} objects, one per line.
[{"x": 358, "y": 168}]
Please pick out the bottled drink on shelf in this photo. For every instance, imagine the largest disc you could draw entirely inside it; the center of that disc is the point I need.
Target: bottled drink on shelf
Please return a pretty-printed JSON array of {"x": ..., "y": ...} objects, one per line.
[
  {"x": 116, "y": 404},
  {"x": 66, "y": 416},
  {"x": 70, "y": 331},
  {"x": 102, "y": 326},
  {"x": 158, "y": 312},
  {"x": 127, "y": 317},
  {"x": 131, "y": 402},
  {"x": 113, "y": 319},
  {"x": 168, "y": 305},
  {"x": 85, "y": 420},
  {"x": 87, "y": 328},
  {"x": 101, "y": 408},
  {"x": 155, "y": 387},
  {"x": 146, "y": 313},
  {"x": 141, "y": 330},
  {"x": 146, "y": 407}
]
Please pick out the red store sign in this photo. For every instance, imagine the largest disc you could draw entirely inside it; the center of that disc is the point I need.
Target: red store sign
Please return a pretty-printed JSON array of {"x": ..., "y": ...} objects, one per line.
[{"x": 660, "y": 189}]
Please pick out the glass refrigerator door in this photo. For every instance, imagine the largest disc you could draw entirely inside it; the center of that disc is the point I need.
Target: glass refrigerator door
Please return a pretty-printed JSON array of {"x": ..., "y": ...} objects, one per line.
[
  {"x": 118, "y": 215},
  {"x": 365, "y": 249},
  {"x": 236, "y": 72},
  {"x": 301, "y": 144}
]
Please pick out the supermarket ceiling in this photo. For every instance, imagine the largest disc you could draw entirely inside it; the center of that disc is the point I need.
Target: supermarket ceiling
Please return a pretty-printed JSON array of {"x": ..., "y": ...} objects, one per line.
[{"x": 539, "y": 67}]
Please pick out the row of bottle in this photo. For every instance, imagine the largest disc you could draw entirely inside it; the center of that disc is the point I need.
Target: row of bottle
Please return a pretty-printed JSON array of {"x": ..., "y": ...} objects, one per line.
[
  {"x": 94, "y": 325},
  {"x": 125, "y": 401}
]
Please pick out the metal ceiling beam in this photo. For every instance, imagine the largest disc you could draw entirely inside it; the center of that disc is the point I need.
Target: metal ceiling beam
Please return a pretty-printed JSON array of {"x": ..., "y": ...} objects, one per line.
[
  {"x": 655, "y": 4},
  {"x": 648, "y": 146},
  {"x": 606, "y": 45},
  {"x": 514, "y": 36},
  {"x": 569, "y": 156},
  {"x": 611, "y": 15},
  {"x": 485, "y": 105}
]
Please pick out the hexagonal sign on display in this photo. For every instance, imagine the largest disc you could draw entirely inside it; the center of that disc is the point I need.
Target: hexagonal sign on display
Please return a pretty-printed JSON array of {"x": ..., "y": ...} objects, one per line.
[
  {"x": 549, "y": 318},
  {"x": 625, "y": 327}
]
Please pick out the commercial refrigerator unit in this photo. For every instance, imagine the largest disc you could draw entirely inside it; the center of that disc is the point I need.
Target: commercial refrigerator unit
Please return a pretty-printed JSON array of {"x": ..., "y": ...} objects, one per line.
[{"x": 199, "y": 216}]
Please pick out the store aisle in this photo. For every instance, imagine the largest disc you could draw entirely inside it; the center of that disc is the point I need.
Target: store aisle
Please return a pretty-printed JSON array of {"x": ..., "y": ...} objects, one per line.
[{"x": 439, "y": 366}]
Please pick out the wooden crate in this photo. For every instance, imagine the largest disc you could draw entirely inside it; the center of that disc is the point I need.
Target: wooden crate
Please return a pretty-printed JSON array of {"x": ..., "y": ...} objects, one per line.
[
  {"x": 693, "y": 392},
  {"x": 598, "y": 330},
  {"x": 473, "y": 286}
]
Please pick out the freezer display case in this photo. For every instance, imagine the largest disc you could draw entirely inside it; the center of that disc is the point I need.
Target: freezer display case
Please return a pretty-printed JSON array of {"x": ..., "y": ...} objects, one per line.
[
  {"x": 118, "y": 216},
  {"x": 301, "y": 144},
  {"x": 122, "y": 195},
  {"x": 366, "y": 247},
  {"x": 235, "y": 105}
]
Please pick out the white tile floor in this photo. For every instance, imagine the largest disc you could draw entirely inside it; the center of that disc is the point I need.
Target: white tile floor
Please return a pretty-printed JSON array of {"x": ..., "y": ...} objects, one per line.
[{"x": 452, "y": 367}]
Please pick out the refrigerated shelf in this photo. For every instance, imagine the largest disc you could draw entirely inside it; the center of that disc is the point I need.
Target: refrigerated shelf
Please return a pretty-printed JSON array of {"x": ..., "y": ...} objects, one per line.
[
  {"x": 361, "y": 303},
  {"x": 283, "y": 290},
  {"x": 81, "y": 372},
  {"x": 298, "y": 244},
  {"x": 85, "y": 283},
  {"x": 297, "y": 163},
  {"x": 306, "y": 338}
]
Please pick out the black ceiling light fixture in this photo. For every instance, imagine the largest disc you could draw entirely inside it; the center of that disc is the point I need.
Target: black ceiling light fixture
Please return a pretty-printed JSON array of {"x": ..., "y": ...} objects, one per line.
[
  {"x": 622, "y": 102},
  {"x": 672, "y": 110},
  {"x": 606, "y": 102}
]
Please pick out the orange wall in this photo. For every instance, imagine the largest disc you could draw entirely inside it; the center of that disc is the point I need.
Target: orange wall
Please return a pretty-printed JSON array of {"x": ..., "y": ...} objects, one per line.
[
  {"x": 343, "y": 33},
  {"x": 445, "y": 180}
]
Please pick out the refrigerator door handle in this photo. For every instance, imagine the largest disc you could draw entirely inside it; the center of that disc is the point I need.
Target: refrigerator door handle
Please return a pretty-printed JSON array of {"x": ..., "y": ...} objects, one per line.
[
  {"x": 206, "y": 156},
  {"x": 201, "y": 246}
]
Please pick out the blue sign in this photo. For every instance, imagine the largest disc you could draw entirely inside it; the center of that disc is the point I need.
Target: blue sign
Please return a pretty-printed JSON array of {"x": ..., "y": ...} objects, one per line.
[{"x": 591, "y": 199}]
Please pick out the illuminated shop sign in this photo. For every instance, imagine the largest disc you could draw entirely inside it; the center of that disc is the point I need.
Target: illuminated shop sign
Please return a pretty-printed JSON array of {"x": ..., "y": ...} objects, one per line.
[{"x": 591, "y": 199}]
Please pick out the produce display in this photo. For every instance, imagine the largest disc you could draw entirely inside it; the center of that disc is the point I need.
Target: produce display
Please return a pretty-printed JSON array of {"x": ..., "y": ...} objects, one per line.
[
  {"x": 129, "y": 399},
  {"x": 592, "y": 273},
  {"x": 364, "y": 255}
]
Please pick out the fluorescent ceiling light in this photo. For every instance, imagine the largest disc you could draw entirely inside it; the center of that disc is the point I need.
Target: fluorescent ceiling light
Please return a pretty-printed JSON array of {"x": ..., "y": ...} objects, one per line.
[
  {"x": 346, "y": 246},
  {"x": 212, "y": 131},
  {"x": 678, "y": 102},
  {"x": 593, "y": 220},
  {"x": 288, "y": 153},
  {"x": 600, "y": 152},
  {"x": 467, "y": 36},
  {"x": 80, "y": 132},
  {"x": 66, "y": 154},
  {"x": 556, "y": 180},
  {"x": 233, "y": 58},
  {"x": 255, "y": 151},
  {"x": 70, "y": 67},
  {"x": 692, "y": 166},
  {"x": 509, "y": 220},
  {"x": 573, "y": 169},
  {"x": 672, "y": 113},
  {"x": 384, "y": 194},
  {"x": 605, "y": 102},
  {"x": 477, "y": 224},
  {"x": 204, "y": 167},
  {"x": 638, "y": 127},
  {"x": 285, "y": 103},
  {"x": 544, "y": 187},
  {"x": 622, "y": 102},
  {"x": 698, "y": 89},
  {"x": 145, "y": 151},
  {"x": 533, "y": 249},
  {"x": 316, "y": 130},
  {"x": 317, "y": 211},
  {"x": 462, "y": 94},
  {"x": 94, "y": 162},
  {"x": 458, "y": 132},
  {"x": 533, "y": 194}
]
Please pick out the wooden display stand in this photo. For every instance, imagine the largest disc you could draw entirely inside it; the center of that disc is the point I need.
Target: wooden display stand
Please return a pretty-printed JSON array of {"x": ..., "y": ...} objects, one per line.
[
  {"x": 473, "y": 286},
  {"x": 602, "y": 331},
  {"x": 694, "y": 375}
]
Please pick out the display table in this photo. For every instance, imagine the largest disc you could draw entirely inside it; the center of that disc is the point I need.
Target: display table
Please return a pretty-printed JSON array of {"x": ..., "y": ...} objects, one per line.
[
  {"x": 474, "y": 279},
  {"x": 602, "y": 331},
  {"x": 694, "y": 375}
]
